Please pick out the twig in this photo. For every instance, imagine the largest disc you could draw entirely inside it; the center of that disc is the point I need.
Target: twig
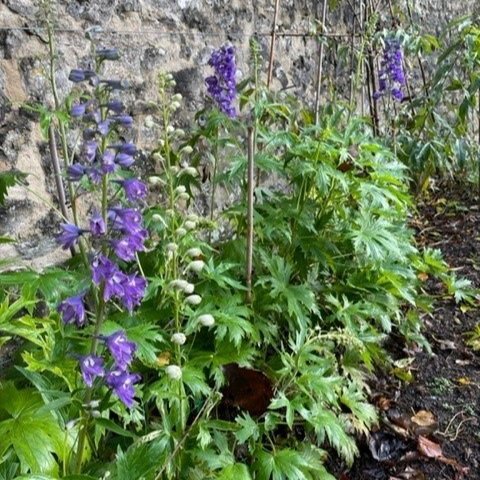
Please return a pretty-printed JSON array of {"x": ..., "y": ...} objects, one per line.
[
  {"x": 272, "y": 43},
  {"x": 250, "y": 187},
  {"x": 320, "y": 65}
]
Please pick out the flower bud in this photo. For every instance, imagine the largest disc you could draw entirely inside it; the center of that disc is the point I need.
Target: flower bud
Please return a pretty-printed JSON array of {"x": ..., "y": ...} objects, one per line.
[
  {"x": 194, "y": 252},
  {"x": 192, "y": 217},
  {"x": 196, "y": 266},
  {"x": 95, "y": 414},
  {"x": 189, "y": 288},
  {"x": 174, "y": 106},
  {"x": 193, "y": 299},
  {"x": 177, "y": 97},
  {"x": 172, "y": 247},
  {"x": 181, "y": 232},
  {"x": 189, "y": 225},
  {"x": 179, "y": 338},
  {"x": 206, "y": 320},
  {"x": 187, "y": 150},
  {"x": 178, "y": 284},
  {"x": 174, "y": 372},
  {"x": 156, "y": 217},
  {"x": 174, "y": 169},
  {"x": 157, "y": 157},
  {"x": 149, "y": 122},
  {"x": 192, "y": 171},
  {"x": 179, "y": 133},
  {"x": 154, "y": 180},
  {"x": 170, "y": 129},
  {"x": 180, "y": 189},
  {"x": 184, "y": 196}
]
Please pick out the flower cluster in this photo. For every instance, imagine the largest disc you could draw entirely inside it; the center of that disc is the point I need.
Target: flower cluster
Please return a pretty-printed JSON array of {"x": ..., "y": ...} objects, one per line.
[
  {"x": 222, "y": 86},
  {"x": 118, "y": 377},
  {"x": 116, "y": 232},
  {"x": 391, "y": 74}
]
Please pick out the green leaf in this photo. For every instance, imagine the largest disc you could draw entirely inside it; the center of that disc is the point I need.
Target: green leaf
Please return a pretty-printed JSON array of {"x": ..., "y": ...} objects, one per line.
[
  {"x": 249, "y": 428},
  {"x": 34, "y": 435},
  {"x": 237, "y": 471},
  {"x": 7, "y": 180},
  {"x": 113, "y": 427}
]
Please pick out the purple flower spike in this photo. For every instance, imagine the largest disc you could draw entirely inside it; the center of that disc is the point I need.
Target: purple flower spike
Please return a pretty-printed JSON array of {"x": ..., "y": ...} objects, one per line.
[
  {"x": 91, "y": 367},
  {"x": 107, "y": 54},
  {"x": 72, "y": 311},
  {"x": 97, "y": 225},
  {"x": 75, "y": 172},
  {"x": 121, "y": 349},
  {"x": 122, "y": 383},
  {"x": 115, "y": 106},
  {"x": 391, "y": 77},
  {"x": 127, "y": 220},
  {"x": 78, "y": 110},
  {"x": 95, "y": 175},
  {"x": 222, "y": 86},
  {"x": 70, "y": 235},
  {"x": 134, "y": 189}
]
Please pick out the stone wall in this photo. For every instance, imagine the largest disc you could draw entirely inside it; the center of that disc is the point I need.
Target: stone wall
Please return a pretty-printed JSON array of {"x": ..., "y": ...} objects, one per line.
[{"x": 153, "y": 35}]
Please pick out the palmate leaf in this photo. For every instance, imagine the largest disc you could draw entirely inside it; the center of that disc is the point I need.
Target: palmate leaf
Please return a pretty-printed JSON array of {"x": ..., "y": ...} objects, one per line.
[
  {"x": 237, "y": 471},
  {"x": 33, "y": 433}
]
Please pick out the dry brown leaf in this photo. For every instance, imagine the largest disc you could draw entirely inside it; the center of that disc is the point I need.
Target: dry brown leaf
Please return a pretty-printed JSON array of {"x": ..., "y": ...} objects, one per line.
[
  {"x": 464, "y": 381},
  {"x": 424, "y": 418},
  {"x": 428, "y": 448}
]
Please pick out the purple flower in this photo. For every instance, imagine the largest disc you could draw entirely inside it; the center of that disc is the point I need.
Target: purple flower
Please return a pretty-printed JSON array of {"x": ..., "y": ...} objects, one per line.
[
  {"x": 391, "y": 77},
  {"x": 133, "y": 291},
  {"x": 222, "y": 86},
  {"x": 107, "y": 54},
  {"x": 75, "y": 172},
  {"x": 72, "y": 310},
  {"x": 95, "y": 174},
  {"x": 124, "y": 120},
  {"x": 126, "y": 220},
  {"x": 121, "y": 349},
  {"x": 127, "y": 147},
  {"x": 104, "y": 126},
  {"x": 122, "y": 383},
  {"x": 104, "y": 270},
  {"x": 134, "y": 189},
  {"x": 89, "y": 150},
  {"x": 108, "y": 162},
  {"x": 126, "y": 247},
  {"x": 124, "y": 160},
  {"x": 78, "y": 110},
  {"x": 115, "y": 106},
  {"x": 95, "y": 116},
  {"x": 69, "y": 237},
  {"x": 97, "y": 225},
  {"x": 91, "y": 367},
  {"x": 78, "y": 76}
]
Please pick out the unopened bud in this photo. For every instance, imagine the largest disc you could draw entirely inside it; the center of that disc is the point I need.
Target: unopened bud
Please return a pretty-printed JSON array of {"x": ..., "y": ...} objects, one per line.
[
  {"x": 180, "y": 189},
  {"x": 184, "y": 196},
  {"x": 177, "y": 97},
  {"x": 192, "y": 217},
  {"x": 192, "y": 171},
  {"x": 155, "y": 180},
  {"x": 206, "y": 320},
  {"x": 187, "y": 150},
  {"x": 178, "y": 284},
  {"x": 181, "y": 232},
  {"x": 172, "y": 247},
  {"x": 189, "y": 288},
  {"x": 149, "y": 122},
  {"x": 170, "y": 129},
  {"x": 196, "y": 266},
  {"x": 179, "y": 338},
  {"x": 194, "y": 252},
  {"x": 174, "y": 372},
  {"x": 193, "y": 299}
]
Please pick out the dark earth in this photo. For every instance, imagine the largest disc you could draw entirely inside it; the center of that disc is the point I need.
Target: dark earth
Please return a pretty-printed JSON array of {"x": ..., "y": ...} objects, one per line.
[{"x": 445, "y": 385}]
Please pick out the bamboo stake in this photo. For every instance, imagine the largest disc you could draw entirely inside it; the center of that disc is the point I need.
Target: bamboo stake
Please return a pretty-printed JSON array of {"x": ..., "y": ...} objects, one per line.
[
  {"x": 353, "y": 76},
  {"x": 58, "y": 176},
  {"x": 250, "y": 187},
  {"x": 372, "y": 84},
  {"x": 362, "y": 68},
  {"x": 272, "y": 43},
  {"x": 320, "y": 65}
]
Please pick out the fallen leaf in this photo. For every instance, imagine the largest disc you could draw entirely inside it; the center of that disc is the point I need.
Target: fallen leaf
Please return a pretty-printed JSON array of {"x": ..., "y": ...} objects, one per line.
[
  {"x": 464, "y": 381},
  {"x": 428, "y": 448},
  {"x": 384, "y": 403},
  {"x": 385, "y": 447},
  {"x": 424, "y": 418},
  {"x": 163, "y": 359},
  {"x": 422, "y": 276}
]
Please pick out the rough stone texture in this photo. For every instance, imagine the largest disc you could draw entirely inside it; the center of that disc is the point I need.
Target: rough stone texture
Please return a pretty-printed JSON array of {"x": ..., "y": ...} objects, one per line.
[{"x": 154, "y": 35}]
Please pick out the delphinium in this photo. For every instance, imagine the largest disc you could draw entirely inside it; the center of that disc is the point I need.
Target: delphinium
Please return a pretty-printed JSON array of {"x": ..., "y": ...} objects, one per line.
[
  {"x": 110, "y": 238},
  {"x": 222, "y": 86},
  {"x": 391, "y": 75}
]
